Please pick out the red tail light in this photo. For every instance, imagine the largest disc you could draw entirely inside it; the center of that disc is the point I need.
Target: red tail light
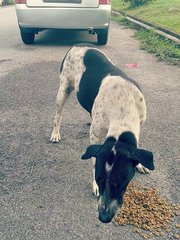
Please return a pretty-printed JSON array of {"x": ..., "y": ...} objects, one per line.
[
  {"x": 104, "y": 1},
  {"x": 20, "y": 1}
]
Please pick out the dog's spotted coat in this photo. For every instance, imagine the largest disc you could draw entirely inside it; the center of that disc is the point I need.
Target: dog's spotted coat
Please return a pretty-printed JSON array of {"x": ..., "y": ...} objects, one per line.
[{"x": 117, "y": 108}]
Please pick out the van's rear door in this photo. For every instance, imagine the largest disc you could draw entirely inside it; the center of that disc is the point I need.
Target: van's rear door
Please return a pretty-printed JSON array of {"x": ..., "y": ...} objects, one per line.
[{"x": 64, "y": 3}]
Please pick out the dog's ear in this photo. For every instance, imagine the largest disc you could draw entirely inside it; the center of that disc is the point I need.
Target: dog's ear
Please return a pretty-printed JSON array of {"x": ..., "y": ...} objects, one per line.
[
  {"x": 91, "y": 151},
  {"x": 144, "y": 157}
]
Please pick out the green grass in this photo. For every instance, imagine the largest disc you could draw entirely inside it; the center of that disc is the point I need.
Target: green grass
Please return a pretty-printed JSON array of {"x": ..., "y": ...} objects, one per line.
[
  {"x": 8, "y": 2},
  {"x": 165, "y": 13},
  {"x": 163, "y": 49}
]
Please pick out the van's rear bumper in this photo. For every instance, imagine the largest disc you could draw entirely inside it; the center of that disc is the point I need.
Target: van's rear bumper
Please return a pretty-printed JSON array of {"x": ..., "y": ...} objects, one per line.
[{"x": 63, "y": 18}]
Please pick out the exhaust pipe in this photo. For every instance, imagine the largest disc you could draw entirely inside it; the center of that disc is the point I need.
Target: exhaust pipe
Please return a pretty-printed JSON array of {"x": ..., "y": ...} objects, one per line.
[{"x": 91, "y": 31}]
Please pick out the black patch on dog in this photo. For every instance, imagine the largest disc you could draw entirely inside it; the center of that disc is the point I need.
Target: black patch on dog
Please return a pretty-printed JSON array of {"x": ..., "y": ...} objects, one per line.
[
  {"x": 128, "y": 138},
  {"x": 98, "y": 67}
]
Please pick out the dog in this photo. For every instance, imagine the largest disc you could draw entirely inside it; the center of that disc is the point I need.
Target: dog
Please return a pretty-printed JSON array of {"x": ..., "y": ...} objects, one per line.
[{"x": 117, "y": 108}]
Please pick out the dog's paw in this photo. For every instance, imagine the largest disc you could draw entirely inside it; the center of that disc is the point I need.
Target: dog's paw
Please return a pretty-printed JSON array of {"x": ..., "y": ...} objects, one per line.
[
  {"x": 142, "y": 169},
  {"x": 55, "y": 137},
  {"x": 95, "y": 189}
]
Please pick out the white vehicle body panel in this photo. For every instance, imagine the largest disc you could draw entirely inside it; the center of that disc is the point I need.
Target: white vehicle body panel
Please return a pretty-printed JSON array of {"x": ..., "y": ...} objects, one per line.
[
  {"x": 37, "y": 15},
  {"x": 63, "y": 18},
  {"x": 63, "y": 3}
]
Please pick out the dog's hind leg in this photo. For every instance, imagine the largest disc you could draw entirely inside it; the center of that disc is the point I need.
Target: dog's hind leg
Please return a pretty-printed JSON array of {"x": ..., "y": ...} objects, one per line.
[{"x": 66, "y": 87}]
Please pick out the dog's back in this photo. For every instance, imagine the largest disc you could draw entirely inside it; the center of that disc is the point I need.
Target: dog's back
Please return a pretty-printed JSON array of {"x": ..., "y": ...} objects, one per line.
[{"x": 90, "y": 66}]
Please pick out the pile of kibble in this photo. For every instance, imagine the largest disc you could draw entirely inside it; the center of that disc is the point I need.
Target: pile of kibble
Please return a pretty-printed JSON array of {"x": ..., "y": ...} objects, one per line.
[{"x": 147, "y": 211}]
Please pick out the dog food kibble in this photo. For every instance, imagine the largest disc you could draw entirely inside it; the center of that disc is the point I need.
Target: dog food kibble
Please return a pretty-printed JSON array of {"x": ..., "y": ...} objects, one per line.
[{"x": 147, "y": 211}]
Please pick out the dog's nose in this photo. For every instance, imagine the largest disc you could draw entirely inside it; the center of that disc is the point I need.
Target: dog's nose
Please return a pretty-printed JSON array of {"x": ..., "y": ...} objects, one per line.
[{"x": 104, "y": 216}]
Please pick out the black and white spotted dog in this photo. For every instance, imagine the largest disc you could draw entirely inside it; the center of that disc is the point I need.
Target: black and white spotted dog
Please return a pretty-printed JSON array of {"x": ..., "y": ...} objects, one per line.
[{"x": 118, "y": 109}]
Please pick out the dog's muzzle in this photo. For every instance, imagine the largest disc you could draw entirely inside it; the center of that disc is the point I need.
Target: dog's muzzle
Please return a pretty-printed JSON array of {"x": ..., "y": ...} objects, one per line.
[
  {"x": 107, "y": 210},
  {"x": 105, "y": 216}
]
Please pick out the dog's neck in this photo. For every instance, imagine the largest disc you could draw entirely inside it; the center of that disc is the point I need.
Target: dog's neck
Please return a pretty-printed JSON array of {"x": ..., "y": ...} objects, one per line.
[{"x": 116, "y": 130}]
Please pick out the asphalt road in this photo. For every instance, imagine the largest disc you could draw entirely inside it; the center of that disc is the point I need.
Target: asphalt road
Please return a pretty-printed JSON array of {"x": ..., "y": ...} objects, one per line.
[{"x": 46, "y": 188}]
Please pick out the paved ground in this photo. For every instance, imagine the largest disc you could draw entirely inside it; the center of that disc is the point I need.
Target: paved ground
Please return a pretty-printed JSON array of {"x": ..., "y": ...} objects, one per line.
[{"x": 46, "y": 188}]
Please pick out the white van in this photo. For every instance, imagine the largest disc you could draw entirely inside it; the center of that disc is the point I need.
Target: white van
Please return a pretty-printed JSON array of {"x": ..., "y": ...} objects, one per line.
[{"x": 37, "y": 15}]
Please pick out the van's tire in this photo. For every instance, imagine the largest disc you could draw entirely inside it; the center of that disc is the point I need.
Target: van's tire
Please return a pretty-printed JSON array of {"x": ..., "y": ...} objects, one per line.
[
  {"x": 102, "y": 37},
  {"x": 27, "y": 37}
]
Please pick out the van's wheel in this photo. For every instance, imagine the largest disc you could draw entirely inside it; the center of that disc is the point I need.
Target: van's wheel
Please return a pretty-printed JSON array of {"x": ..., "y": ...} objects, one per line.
[
  {"x": 27, "y": 37},
  {"x": 102, "y": 37}
]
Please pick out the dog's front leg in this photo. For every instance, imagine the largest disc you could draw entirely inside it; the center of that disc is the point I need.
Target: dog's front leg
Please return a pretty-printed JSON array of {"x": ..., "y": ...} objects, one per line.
[
  {"x": 94, "y": 140},
  {"x": 142, "y": 169},
  {"x": 64, "y": 91},
  {"x": 95, "y": 186}
]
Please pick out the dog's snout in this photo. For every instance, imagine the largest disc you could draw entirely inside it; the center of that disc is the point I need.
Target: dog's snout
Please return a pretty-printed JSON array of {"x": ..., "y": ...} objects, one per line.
[{"x": 105, "y": 216}]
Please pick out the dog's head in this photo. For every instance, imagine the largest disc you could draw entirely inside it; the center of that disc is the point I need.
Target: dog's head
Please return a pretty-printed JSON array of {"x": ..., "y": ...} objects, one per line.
[{"x": 115, "y": 167}]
